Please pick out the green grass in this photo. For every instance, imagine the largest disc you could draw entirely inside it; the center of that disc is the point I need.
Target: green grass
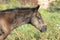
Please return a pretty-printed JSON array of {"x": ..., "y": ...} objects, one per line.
[{"x": 29, "y": 32}]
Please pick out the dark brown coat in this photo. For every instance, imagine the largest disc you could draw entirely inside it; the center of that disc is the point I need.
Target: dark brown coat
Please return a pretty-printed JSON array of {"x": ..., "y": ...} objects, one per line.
[{"x": 12, "y": 18}]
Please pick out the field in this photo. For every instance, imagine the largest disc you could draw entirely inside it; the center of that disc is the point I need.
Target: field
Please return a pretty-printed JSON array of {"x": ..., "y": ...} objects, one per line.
[{"x": 29, "y": 32}]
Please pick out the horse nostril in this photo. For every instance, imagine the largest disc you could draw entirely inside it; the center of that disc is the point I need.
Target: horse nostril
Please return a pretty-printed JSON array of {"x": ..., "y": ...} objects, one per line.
[{"x": 44, "y": 28}]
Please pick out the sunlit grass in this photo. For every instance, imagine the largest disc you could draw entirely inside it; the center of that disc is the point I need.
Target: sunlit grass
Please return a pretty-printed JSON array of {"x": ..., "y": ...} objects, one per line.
[{"x": 3, "y": 6}]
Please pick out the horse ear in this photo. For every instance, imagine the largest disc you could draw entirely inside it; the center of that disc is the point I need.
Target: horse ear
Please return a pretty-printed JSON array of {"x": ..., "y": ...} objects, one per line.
[{"x": 38, "y": 6}]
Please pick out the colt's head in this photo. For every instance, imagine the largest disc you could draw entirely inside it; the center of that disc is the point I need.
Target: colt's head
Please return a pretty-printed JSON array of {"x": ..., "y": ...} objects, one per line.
[{"x": 38, "y": 22}]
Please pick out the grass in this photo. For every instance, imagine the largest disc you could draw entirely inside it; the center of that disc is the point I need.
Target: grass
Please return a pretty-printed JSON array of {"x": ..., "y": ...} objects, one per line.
[{"x": 29, "y": 32}]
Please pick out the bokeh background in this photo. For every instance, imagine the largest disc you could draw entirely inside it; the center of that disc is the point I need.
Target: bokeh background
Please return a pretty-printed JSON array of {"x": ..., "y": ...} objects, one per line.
[{"x": 50, "y": 11}]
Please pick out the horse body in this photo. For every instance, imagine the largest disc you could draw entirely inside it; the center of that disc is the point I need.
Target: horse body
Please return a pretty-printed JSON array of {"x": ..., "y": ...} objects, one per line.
[{"x": 12, "y": 18}]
